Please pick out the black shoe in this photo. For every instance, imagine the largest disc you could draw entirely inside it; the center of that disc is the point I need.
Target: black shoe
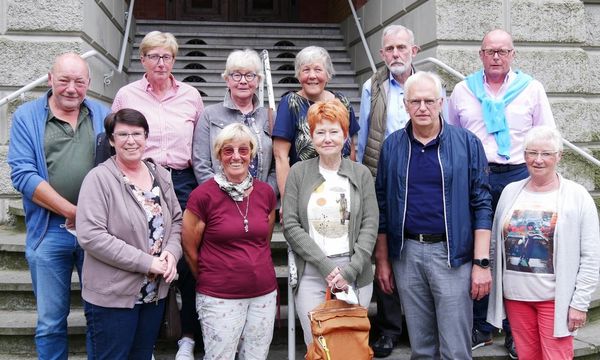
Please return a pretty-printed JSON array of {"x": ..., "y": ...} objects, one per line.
[
  {"x": 479, "y": 339},
  {"x": 383, "y": 346},
  {"x": 509, "y": 344}
]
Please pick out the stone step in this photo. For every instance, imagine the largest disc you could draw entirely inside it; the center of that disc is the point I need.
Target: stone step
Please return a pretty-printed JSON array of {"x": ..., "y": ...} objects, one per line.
[
  {"x": 224, "y": 50},
  {"x": 16, "y": 291},
  {"x": 216, "y": 90},
  {"x": 251, "y": 40},
  {"x": 18, "y": 327},
  {"x": 176, "y": 27},
  {"x": 214, "y": 76},
  {"x": 218, "y": 63}
]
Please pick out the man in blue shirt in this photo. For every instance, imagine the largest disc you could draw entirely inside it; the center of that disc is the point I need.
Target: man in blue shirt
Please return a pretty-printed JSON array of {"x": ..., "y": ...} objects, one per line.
[
  {"x": 382, "y": 112},
  {"x": 435, "y": 220},
  {"x": 52, "y": 145}
]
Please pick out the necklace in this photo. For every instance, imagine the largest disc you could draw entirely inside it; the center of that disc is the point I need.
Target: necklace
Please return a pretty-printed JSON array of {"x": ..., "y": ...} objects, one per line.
[{"x": 244, "y": 216}]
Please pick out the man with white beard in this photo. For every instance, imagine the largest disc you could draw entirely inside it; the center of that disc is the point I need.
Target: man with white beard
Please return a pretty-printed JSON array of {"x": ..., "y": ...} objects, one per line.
[{"x": 382, "y": 112}]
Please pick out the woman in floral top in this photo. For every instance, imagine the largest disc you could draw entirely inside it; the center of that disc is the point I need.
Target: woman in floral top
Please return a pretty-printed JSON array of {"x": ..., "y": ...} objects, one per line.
[{"x": 129, "y": 224}]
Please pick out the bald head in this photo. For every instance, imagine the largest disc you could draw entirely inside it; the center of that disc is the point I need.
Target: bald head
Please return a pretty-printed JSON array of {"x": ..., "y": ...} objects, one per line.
[
  {"x": 70, "y": 60},
  {"x": 497, "y": 54},
  {"x": 69, "y": 79},
  {"x": 495, "y": 36}
]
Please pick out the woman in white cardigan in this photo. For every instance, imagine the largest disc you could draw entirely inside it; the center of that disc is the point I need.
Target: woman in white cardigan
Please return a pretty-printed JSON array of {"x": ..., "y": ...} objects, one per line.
[{"x": 547, "y": 254}]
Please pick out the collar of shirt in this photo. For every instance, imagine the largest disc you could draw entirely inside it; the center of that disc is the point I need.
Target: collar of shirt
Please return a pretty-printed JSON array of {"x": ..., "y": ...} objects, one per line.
[
  {"x": 83, "y": 110},
  {"x": 172, "y": 91},
  {"x": 510, "y": 76}
]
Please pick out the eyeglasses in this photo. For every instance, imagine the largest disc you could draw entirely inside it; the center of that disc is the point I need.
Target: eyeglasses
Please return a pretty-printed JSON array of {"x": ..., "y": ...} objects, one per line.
[
  {"x": 230, "y": 150},
  {"x": 167, "y": 59},
  {"x": 492, "y": 52},
  {"x": 531, "y": 154},
  {"x": 123, "y": 136},
  {"x": 416, "y": 103},
  {"x": 237, "y": 77}
]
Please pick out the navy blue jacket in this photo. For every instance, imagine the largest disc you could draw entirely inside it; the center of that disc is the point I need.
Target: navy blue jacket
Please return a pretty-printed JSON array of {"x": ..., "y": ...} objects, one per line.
[{"x": 467, "y": 198}]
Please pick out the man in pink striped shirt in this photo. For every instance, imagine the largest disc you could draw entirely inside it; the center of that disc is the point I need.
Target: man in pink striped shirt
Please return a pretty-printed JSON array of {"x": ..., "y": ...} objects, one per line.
[
  {"x": 172, "y": 109},
  {"x": 500, "y": 106}
]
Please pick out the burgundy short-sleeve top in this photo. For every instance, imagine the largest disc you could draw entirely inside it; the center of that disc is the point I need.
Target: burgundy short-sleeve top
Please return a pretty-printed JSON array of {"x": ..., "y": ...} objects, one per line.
[{"x": 233, "y": 263}]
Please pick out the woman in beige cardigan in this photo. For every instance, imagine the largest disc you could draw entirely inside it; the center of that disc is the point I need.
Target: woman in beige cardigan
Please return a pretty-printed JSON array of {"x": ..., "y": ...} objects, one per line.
[{"x": 547, "y": 254}]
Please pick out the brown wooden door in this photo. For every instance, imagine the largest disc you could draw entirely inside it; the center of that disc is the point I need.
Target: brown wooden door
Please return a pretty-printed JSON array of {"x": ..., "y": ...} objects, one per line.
[{"x": 232, "y": 10}]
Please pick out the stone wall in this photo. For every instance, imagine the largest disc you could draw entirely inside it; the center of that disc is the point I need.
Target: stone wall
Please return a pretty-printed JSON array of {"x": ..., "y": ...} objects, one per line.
[
  {"x": 33, "y": 33},
  {"x": 556, "y": 42}
]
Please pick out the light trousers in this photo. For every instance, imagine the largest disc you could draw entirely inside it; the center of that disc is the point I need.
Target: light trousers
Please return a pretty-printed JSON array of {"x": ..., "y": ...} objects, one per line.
[
  {"x": 242, "y": 325},
  {"x": 436, "y": 300}
]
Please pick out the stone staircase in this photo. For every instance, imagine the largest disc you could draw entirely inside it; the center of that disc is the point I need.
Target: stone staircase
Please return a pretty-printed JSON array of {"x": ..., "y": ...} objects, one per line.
[
  {"x": 204, "y": 46},
  {"x": 18, "y": 314}
]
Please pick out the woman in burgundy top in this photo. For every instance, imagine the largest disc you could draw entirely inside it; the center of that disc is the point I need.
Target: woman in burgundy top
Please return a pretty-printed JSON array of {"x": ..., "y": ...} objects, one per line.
[{"x": 226, "y": 234}]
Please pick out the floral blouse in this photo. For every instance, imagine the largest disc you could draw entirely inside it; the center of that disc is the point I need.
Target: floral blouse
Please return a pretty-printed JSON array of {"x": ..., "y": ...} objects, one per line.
[{"x": 150, "y": 202}]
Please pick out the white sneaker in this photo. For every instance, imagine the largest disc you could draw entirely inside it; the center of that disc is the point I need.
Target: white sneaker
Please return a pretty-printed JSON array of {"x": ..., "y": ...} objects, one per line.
[{"x": 186, "y": 349}]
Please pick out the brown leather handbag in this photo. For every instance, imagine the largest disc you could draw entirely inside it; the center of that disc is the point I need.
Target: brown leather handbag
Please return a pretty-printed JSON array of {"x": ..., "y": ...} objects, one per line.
[{"x": 340, "y": 331}]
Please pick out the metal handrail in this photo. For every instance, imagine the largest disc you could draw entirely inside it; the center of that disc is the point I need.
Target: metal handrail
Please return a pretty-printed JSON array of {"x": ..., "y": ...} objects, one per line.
[
  {"x": 459, "y": 75},
  {"x": 362, "y": 37},
  {"x": 126, "y": 37},
  {"x": 35, "y": 83}
]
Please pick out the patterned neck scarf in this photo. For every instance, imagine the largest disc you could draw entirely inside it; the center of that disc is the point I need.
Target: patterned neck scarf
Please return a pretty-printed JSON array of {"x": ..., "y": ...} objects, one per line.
[{"x": 236, "y": 191}]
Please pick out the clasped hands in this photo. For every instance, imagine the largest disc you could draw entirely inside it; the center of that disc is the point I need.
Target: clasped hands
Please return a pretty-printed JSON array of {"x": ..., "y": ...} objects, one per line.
[
  {"x": 335, "y": 280},
  {"x": 164, "y": 265}
]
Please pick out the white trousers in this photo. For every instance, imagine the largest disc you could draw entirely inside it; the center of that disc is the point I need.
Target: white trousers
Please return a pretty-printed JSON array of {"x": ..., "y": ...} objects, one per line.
[{"x": 237, "y": 325}]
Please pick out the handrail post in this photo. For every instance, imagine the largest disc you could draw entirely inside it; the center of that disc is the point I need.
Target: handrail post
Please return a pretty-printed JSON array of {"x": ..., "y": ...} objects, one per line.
[
  {"x": 291, "y": 312},
  {"x": 362, "y": 37},
  {"x": 125, "y": 37}
]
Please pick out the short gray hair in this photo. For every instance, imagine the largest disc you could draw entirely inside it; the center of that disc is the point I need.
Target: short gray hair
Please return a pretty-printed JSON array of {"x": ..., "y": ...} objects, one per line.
[
  {"x": 544, "y": 133},
  {"x": 235, "y": 131},
  {"x": 420, "y": 76},
  {"x": 312, "y": 54},
  {"x": 243, "y": 59},
  {"x": 394, "y": 29}
]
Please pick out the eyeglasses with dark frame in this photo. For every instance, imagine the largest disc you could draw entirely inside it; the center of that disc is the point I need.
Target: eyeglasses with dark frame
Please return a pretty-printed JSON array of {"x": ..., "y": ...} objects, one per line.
[
  {"x": 492, "y": 52},
  {"x": 230, "y": 150},
  {"x": 167, "y": 58},
  {"x": 237, "y": 77}
]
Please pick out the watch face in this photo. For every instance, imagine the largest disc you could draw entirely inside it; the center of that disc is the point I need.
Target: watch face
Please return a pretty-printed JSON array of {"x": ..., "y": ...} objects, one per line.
[{"x": 484, "y": 263}]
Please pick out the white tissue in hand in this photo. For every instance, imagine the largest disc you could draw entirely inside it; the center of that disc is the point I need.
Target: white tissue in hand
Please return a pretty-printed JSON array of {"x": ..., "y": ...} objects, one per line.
[{"x": 348, "y": 296}]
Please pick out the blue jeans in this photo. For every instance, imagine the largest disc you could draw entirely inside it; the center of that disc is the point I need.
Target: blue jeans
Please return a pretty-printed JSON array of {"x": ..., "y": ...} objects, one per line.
[
  {"x": 123, "y": 333},
  {"x": 436, "y": 300},
  {"x": 498, "y": 180},
  {"x": 51, "y": 265}
]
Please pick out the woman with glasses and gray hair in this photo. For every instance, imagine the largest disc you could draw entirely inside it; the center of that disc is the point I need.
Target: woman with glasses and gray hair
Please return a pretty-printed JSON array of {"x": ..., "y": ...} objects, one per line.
[
  {"x": 547, "y": 254},
  {"x": 172, "y": 109},
  {"x": 242, "y": 75}
]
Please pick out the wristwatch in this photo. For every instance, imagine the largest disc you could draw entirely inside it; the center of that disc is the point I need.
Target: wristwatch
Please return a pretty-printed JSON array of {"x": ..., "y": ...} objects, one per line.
[{"x": 484, "y": 263}]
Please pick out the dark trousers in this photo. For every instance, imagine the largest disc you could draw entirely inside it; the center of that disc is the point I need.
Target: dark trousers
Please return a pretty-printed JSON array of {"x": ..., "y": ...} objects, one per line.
[
  {"x": 499, "y": 178},
  {"x": 184, "y": 182},
  {"x": 388, "y": 320},
  {"x": 122, "y": 333}
]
